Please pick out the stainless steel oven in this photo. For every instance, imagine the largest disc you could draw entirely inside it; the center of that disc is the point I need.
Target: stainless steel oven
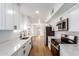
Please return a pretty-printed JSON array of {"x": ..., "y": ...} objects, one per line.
[{"x": 55, "y": 48}]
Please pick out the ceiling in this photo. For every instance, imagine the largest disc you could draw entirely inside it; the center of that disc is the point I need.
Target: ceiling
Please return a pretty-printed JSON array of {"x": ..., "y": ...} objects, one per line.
[
  {"x": 65, "y": 7},
  {"x": 28, "y": 9}
]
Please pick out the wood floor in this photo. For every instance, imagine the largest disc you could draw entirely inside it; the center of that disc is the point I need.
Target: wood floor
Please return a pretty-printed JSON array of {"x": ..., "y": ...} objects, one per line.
[{"x": 39, "y": 48}]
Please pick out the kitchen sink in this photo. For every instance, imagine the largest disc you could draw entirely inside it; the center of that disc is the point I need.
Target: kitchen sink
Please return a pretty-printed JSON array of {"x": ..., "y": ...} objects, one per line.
[{"x": 24, "y": 38}]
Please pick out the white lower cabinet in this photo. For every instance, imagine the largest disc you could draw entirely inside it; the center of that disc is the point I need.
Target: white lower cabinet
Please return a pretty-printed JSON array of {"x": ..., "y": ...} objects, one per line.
[
  {"x": 28, "y": 48},
  {"x": 24, "y": 50},
  {"x": 21, "y": 51}
]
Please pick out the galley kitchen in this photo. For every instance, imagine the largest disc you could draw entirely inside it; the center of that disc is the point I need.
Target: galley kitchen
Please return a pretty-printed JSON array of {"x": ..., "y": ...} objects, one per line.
[{"x": 39, "y": 29}]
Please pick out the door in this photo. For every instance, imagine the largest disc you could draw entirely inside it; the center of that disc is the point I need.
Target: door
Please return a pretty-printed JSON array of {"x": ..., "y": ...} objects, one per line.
[{"x": 38, "y": 30}]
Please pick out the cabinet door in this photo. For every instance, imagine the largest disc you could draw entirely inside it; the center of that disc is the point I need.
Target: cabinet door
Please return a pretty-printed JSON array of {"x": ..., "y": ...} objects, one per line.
[
  {"x": 21, "y": 22},
  {"x": 6, "y": 16},
  {"x": 28, "y": 48},
  {"x": 16, "y": 16},
  {"x": 21, "y": 52},
  {"x": 9, "y": 15},
  {"x": 0, "y": 15}
]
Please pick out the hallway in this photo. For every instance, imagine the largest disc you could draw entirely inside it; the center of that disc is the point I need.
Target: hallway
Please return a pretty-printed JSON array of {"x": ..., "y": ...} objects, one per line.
[{"x": 39, "y": 48}]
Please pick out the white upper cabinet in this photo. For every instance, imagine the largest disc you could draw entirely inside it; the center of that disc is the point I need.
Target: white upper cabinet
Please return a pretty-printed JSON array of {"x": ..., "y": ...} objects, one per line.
[
  {"x": 21, "y": 22},
  {"x": 0, "y": 16},
  {"x": 6, "y": 16},
  {"x": 9, "y": 16},
  {"x": 16, "y": 16}
]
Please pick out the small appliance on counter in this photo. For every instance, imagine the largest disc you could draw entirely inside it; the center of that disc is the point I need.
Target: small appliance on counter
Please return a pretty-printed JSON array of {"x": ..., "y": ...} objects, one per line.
[
  {"x": 23, "y": 35},
  {"x": 63, "y": 25},
  {"x": 68, "y": 39}
]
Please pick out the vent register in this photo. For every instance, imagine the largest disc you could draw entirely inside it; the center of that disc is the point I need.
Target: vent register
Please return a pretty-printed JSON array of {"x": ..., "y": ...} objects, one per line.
[{"x": 52, "y": 11}]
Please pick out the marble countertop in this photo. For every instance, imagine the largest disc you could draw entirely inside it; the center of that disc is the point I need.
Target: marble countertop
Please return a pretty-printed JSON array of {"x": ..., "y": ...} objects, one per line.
[
  {"x": 69, "y": 50},
  {"x": 53, "y": 37},
  {"x": 11, "y": 46}
]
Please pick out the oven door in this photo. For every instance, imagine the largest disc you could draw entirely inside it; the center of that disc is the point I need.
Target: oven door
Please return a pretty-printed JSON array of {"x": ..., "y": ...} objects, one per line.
[{"x": 55, "y": 50}]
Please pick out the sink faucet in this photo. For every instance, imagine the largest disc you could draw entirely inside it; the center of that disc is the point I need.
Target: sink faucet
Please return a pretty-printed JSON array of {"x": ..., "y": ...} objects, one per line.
[{"x": 20, "y": 35}]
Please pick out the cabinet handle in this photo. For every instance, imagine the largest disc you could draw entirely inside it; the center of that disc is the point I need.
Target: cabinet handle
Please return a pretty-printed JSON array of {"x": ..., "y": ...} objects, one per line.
[
  {"x": 30, "y": 43},
  {"x": 23, "y": 46},
  {"x": 24, "y": 52},
  {"x": 15, "y": 27}
]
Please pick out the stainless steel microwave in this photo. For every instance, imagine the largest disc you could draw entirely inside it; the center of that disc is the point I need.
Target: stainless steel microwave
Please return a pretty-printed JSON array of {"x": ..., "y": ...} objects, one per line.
[{"x": 63, "y": 25}]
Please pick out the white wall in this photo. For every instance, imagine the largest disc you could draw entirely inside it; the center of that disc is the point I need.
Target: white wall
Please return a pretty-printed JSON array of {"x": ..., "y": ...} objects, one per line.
[
  {"x": 27, "y": 25},
  {"x": 73, "y": 15},
  {"x": 38, "y": 30}
]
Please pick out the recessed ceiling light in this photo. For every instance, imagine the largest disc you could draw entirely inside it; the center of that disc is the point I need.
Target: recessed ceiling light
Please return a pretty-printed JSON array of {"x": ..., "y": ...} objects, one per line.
[{"x": 37, "y": 12}]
